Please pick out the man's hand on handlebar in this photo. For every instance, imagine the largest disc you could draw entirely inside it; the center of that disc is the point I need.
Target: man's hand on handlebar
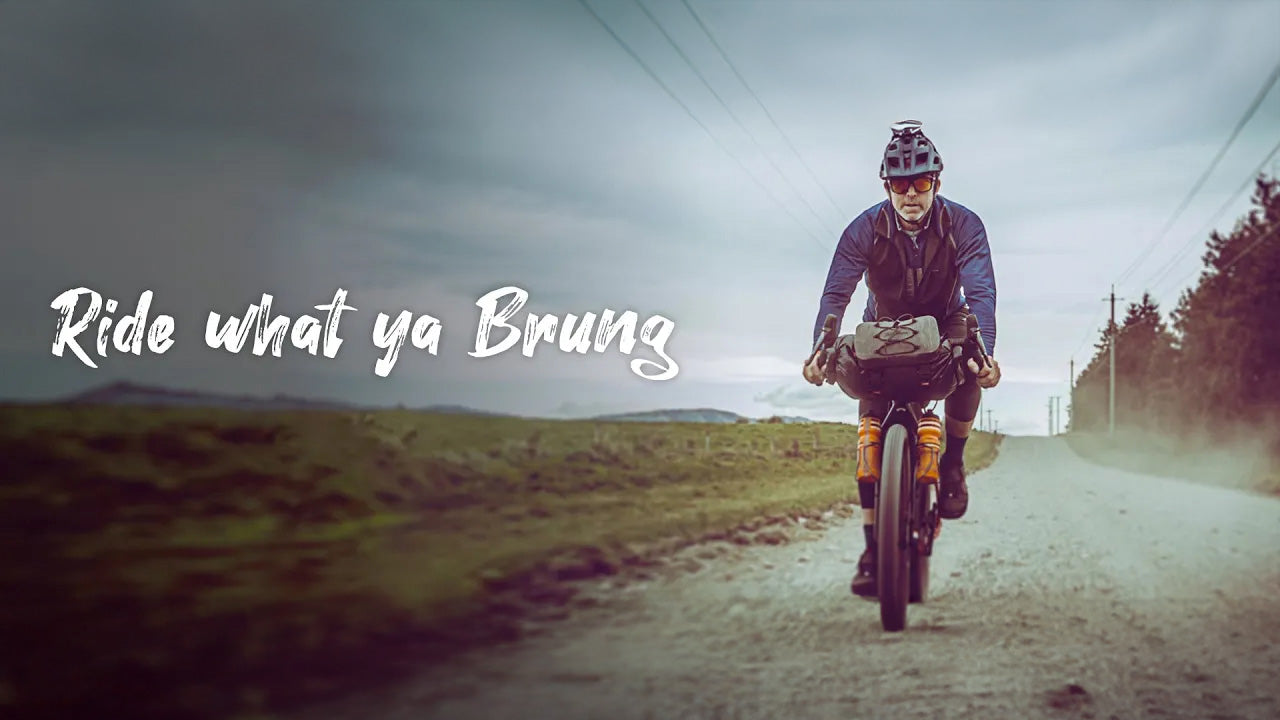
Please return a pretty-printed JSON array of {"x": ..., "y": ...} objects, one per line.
[
  {"x": 988, "y": 375},
  {"x": 814, "y": 371},
  {"x": 815, "y": 368},
  {"x": 980, "y": 363}
]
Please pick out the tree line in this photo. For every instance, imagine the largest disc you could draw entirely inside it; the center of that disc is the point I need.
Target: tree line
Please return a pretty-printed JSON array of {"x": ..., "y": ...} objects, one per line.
[{"x": 1214, "y": 366}]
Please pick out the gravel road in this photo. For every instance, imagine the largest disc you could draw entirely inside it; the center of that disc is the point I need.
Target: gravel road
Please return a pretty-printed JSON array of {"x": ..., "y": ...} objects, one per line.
[{"x": 1068, "y": 590}]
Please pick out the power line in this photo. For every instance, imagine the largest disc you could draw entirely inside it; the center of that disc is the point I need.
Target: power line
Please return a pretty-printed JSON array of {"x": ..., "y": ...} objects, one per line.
[
  {"x": 760, "y": 102},
  {"x": 1168, "y": 266},
  {"x": 1249, "y": 249},
  {"x": 689, "y": 112},
  {"x": 671, "y": 41},
  {"x": 1266, "y": 87},
  {"x": 1088, "y": 332}
]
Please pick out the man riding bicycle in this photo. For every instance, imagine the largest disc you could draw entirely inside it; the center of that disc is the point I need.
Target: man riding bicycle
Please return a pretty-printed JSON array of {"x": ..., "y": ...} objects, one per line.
[{"x": 922, "y": 255}]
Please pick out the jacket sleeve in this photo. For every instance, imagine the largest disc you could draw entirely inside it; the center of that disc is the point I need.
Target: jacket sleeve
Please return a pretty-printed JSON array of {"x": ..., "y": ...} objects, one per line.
[
  {"x": 847, "y": 266},
  {"x": 977, "y": 277}
]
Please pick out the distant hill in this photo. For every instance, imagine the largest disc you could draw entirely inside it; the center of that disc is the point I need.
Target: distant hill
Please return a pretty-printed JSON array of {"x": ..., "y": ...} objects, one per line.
[
  {"x": 460, "y": 410},
  {"x": 127, "y": 393},
  {"x": 703, "y": 415}
]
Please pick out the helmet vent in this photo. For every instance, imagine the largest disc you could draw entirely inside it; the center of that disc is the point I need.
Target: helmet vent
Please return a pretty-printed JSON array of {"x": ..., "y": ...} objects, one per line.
[{"x": 909, "y": 152}]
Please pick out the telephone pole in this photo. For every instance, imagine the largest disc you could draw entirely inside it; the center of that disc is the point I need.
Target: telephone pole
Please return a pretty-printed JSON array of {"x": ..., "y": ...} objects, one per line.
[
  {"x": 1057, "y": 411},
  {"x": 1111, "y": 341},
  {"x": 1071, "y": 389}
]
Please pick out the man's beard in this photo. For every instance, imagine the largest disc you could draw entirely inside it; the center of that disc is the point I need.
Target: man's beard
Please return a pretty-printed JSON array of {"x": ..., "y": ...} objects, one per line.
[{"x": 917, "y": 224}]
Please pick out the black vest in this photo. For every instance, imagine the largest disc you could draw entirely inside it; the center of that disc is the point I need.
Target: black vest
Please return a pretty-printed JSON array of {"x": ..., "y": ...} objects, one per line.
[{"x": 908, "y": 281}]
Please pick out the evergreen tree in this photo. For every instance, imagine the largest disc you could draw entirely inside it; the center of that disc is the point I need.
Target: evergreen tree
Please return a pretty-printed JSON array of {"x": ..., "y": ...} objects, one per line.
[
  {"x": 1219, "y": 365},
  {"x": 1227, "y": 326}
]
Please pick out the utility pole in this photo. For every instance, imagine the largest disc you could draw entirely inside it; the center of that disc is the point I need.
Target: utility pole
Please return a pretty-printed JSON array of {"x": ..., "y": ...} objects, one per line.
[
  {"x": 1111, "y": 395},
  {"x": 1071, "y": 388},
  {"x": 989, "y": 425},
  {"x": 1057, "y": 411}
]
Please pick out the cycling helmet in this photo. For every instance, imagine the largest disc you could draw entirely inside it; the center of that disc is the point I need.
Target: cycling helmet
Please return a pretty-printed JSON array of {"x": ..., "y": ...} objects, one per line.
[{"x": 909, "y": 152}]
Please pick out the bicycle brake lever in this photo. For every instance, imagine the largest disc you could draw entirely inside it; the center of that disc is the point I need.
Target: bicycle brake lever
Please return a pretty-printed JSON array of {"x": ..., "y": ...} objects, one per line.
[
  {"x": 971, "y": 322},
  {"x": 827, "y": 346}
]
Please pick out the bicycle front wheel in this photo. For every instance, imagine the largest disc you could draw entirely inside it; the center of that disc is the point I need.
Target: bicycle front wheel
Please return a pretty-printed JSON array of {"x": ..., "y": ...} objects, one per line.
[
  {"x": 893, "y": 530},
  {"x": 919, "y": 560}
]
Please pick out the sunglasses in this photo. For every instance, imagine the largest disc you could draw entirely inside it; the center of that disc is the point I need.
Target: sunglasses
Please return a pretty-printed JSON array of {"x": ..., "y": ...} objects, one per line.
[{"x": 922, "y": 184}]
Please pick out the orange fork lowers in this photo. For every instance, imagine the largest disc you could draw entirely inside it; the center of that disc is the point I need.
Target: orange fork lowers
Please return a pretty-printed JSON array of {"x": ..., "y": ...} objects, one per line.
[
  {"x": 869, "y": 450},
  {"x": 928, "y": 448}
]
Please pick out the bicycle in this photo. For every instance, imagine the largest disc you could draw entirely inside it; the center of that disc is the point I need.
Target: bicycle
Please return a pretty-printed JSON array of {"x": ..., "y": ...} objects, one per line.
[{"x": 906, "y": 362}]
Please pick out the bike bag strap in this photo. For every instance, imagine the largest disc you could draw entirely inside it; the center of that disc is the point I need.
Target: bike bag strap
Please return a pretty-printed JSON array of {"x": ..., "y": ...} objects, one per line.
[{"x": 893, "y": 343}]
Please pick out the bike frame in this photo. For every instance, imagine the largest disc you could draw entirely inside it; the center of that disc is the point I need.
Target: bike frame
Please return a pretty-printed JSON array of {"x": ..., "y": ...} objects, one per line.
[
  {"x": 908, "y": 416},
  {"x": 905, "y": 518}
]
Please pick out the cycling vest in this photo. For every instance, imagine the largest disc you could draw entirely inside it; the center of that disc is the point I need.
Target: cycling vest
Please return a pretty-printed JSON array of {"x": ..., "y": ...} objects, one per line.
[{"x": 912, "y": 277}]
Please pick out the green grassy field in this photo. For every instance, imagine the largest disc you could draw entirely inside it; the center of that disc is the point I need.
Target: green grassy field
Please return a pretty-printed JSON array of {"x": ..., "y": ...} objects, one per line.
[{"x": 214, "y": 563}]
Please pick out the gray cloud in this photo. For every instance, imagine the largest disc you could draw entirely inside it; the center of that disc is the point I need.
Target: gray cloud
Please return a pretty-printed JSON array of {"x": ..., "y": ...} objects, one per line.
[
  {"x": 291, "y": 73},
  {"x": 422, "y": 154}
]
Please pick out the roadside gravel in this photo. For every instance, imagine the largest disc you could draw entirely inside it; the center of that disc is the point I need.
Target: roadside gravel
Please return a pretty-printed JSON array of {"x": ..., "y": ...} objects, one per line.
[{"x": 1068, "y": 590}]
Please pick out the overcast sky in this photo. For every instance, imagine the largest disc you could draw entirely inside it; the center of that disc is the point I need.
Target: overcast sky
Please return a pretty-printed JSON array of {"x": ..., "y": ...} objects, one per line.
[{"x": 420, "y": 155}]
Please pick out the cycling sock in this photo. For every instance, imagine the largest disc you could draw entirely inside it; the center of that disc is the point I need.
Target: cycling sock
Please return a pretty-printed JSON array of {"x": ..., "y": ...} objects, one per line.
[
  {"x": 955, "y": 449},
  {"x": 867, "y": 499},
  {"x": 867, "y": 495}
]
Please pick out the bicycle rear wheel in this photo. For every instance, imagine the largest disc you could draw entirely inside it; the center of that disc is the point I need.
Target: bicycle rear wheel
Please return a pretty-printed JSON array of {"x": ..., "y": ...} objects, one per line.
[{"x": 892, "y": 530}]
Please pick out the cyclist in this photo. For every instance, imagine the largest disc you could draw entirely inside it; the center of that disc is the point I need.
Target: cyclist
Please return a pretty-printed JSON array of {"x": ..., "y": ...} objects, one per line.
[{"x": 922, "y": 255}]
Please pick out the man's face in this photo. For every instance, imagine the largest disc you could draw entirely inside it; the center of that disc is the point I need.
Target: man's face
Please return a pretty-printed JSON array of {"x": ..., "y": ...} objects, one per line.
[{"x": 912, "y": 204}]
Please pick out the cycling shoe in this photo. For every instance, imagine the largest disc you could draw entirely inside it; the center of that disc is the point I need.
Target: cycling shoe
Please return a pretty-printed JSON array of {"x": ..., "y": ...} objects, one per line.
[
  {"x": 953, "y": 492},
  {"x": 864, "y": 583}
]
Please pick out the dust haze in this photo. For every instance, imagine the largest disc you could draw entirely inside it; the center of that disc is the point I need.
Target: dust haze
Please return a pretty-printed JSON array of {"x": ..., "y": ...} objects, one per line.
[{"x": 1244, "y": 457}]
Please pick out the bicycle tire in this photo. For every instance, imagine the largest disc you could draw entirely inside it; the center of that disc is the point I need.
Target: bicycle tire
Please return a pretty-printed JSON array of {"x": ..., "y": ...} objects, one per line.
[
  {"x": 919, "y": 561},
  {"x": 892, "y": 530}
]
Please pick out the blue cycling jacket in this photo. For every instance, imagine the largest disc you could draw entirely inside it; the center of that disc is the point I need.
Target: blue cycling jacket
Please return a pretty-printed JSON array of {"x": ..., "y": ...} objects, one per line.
[{"x": 976, "y": 284}]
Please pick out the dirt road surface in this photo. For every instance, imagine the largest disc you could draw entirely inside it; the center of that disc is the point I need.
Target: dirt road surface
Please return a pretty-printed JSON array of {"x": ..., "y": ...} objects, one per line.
[{"x": 1068, "y": 590}]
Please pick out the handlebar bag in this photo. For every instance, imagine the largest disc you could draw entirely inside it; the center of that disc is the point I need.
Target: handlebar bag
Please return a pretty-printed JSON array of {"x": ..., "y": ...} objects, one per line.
[
  {"x": 892, "y": 343},
  {"x": 900, "y": 359}
]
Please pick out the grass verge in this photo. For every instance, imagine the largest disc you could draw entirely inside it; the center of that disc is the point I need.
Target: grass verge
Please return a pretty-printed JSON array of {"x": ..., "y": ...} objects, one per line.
[{"x": 214, "y": 563}]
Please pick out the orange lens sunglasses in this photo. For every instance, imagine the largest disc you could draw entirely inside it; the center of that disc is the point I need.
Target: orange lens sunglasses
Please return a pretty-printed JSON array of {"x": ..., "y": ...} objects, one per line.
[{"x": 923, "y": 184}]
